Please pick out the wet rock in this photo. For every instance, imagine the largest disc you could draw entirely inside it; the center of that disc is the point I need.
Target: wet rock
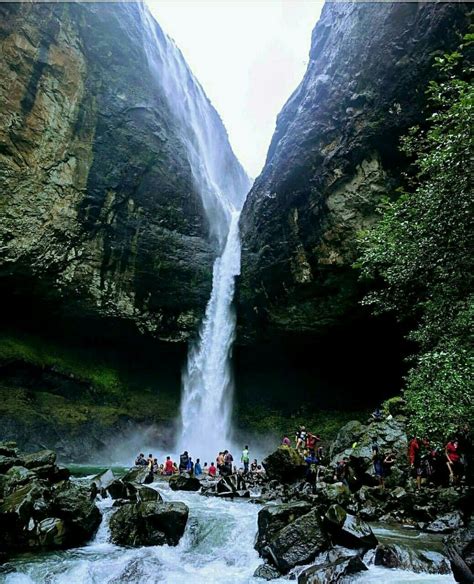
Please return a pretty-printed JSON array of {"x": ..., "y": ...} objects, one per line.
[
  {"x": 332, "y": 492},
  {"x": 273, "y": 518},
  {"x": 347, "y": 530},
  {"x": 184, "y": 483},
  {"x": 8, "y": 449},
  {"x": 7, "y": 462},
  {"x": 51, "y": 532},
  {"x": 445, "y": 524},
  {"x": 404, "y": 558},
  {"x": 72, "y": 503},
  {"x": 145, "y": 494},
  {"x": 285, "y": 464},
  {"x": 298, "y": 543},
  {"x": 332, "y": 572},
  {"x": 117, "y": 489},
  {"x": 104, "y": 479},
  {"x": 39, "y": 459},
  {"x": 266, "y": 572},
  {"x": 138, "y": 475},
  {"x": 149, "y": 523},
  {"x": 15, "y": 477},
  {"x": 460, "y": 549}
]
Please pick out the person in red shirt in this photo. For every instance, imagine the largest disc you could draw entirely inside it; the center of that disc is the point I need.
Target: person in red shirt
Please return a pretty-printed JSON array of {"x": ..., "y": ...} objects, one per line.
[
  {"x": 453, "y": 460},
  {"x": 413, "y": 450},
  {"x": 212, "y": 470},
  {"x": 168, "y": 466}
]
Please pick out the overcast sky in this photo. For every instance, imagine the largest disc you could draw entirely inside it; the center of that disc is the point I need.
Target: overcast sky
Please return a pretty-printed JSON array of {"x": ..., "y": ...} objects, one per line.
[{"x": 249, "y": 56}]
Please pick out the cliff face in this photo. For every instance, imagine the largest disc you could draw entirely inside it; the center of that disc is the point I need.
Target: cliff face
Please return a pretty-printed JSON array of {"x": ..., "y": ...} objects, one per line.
[
  {"x": 100, "y": 216},
  {"x": 333, "y": 156}
]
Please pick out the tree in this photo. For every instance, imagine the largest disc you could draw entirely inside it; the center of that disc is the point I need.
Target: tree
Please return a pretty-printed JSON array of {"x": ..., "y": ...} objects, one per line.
[{"x": 418, "y": 257}]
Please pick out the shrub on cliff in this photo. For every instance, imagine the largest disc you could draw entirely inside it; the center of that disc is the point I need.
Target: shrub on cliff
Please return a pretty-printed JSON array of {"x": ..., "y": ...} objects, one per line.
[{"x": 420, "y": 253}]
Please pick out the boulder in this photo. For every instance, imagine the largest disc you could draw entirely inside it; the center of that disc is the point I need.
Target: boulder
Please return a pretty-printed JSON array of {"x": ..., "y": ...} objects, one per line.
[
  {"x": 404, "y": 558},
  {"x": 149, "y": 523},
  {"x": 8, "y": 449},
  {"x": 117, "y": 489},
  {"x": 51, "y": 532},
  {"x": 332, "y": 572},
  {"x": 7, "y": 462},
  {"x": 144, "y": 494},
  {"x": 445, "y": 524},
  {"x": 298, "y": 543},
  {"x": 104, "y": 479},
  {"x": 184, "y": 482},
  {"x": 38, "y": 459},
  {"x": 16, "y": 476},
  {"x": 285, "y": 464},
  {"x": 348, "y": 530},
  {"x": 332, "y": 492},
  {"x": 346, "y": 437},
  {"x": 138, "y": 475},
  {"x": 460, "y": 550},
  {"x": 73, "y": 504},
  {"x": 273, "y": 518},
  {"x": 266, "y": 572}
]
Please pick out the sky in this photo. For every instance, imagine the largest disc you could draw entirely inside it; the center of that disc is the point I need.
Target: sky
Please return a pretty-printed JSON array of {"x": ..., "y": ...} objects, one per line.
[{"x": 248, "y": 55}]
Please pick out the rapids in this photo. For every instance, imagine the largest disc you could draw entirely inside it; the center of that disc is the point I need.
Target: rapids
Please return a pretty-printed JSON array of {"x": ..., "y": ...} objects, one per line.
[{"x": 217, "y": 548}]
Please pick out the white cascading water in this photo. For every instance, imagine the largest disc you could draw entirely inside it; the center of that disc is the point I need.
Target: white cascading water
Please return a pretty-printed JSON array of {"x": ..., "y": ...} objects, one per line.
[{"x": 206, "y": 404}]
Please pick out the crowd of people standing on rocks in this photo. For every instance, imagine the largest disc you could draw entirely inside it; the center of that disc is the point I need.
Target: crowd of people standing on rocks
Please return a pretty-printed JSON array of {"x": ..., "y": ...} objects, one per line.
[{"x": 223, "y": 466}]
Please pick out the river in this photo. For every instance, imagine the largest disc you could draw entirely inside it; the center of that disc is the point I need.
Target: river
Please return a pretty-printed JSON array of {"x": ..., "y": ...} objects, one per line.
[{"x": 217, "y": 548}]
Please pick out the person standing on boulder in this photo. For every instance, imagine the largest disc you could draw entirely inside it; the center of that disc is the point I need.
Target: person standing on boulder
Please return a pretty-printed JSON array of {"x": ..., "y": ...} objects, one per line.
[
  {"x": 228, "y": 460},
  {"x": 183, "y": 461},
  {"x": 245, "y": 458},
  {"x": 212, "y": 470},
  {"x": 169, "y": 470},
  {"x": 197, "y": 468}
]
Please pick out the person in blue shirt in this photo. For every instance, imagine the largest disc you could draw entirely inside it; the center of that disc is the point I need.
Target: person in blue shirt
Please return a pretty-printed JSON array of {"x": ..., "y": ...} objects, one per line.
[
  {"x": 197, "y": 467},
  {"x": 190, "y": 467},
  {"x": 311, "y": 462}
]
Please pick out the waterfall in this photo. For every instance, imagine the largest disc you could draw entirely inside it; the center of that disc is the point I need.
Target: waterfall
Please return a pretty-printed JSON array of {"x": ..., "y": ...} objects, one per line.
[{"x": 207, "y": 386}]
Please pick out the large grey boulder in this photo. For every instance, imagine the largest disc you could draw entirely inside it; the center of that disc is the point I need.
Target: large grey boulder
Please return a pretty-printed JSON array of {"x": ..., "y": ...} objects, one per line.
[
  {"x": 446, "y": 523},
  {"x": 332, "y": 572},
  {"x": 285, "y": 464},
  {"x": 298, "y": 543},
  {"x": 273, "y": 518},
  {"x": 348, "y": 530},
  {"x": 138, "y": 475},
  {"x": 404, "y": 558},
  {"x": 184, "y": 482},
  {"x": 149, "y": 523}
]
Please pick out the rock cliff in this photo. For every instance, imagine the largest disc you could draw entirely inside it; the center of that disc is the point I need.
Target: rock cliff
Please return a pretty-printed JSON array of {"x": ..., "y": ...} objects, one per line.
[
  {"x": 101, "y": 216},
  {"x": 333, "y": 156}
]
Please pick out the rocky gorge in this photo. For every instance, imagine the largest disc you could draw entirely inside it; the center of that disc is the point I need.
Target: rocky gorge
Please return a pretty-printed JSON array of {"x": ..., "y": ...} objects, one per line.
[{"x": 106, "y": 247}]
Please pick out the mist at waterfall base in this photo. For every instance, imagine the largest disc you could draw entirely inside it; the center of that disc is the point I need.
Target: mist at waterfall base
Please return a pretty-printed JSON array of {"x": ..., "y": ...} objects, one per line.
[{"x": 206, "y": 405}]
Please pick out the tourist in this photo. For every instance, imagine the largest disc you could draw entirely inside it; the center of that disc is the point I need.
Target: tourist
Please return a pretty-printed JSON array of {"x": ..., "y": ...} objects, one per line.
[
  {"x": 140, "y": 460},
  {"x": 155, "y": 467},
  {"x": 183, "y": 461},
  {"x": 205, "y": 469},
  {"x": 150, "y": 462},
  {"x": 253, "y": 466},
  {"x": 228, "y": 460},
  {"x": 212, "y": 470},
  {"x": 169, "y": 467},
  {"x": 311, "y": 440},
  {"x": 245, "y": 459},
  {"x": 341, "y": 474},
  {"x": 320, "y": 453},
  {"x": 260, "y": 471},
  {"x": 286, "y": 441},
  {"x": 378, "y": 460},
  {"x": 175, "y": 468},
  {"x": 197, "y": 468},
  {"x": 453, "y": 460},
  {"x": 190, "y": 466},
  {"x": 162, "y": 469},
  {"x": 376, "y": 415},
  {"x": 220, "y": 462},
  {"x": 311, "y": 462},
  {"x": 300, "y": 438}
]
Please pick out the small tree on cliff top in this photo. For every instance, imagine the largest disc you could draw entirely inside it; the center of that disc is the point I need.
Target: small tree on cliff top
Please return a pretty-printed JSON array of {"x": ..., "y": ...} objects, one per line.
[{"x": 420, "y": 254}]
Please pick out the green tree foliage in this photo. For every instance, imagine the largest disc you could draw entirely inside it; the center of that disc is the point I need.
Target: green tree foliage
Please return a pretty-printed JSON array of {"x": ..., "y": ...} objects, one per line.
[{"x": 419, "y": 255}]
